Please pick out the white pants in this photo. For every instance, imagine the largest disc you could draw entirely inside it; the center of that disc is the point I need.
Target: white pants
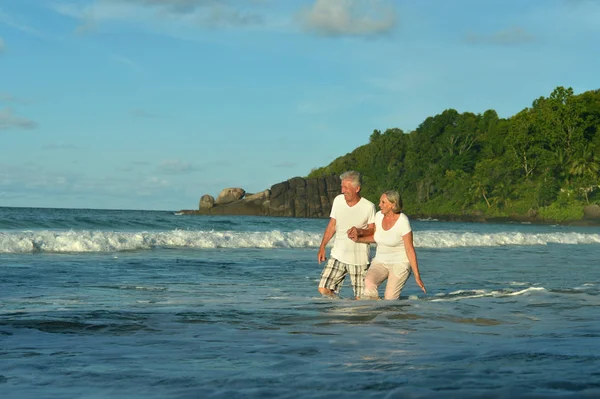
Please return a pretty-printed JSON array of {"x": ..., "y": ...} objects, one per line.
[{"x": 396, "y": 276}]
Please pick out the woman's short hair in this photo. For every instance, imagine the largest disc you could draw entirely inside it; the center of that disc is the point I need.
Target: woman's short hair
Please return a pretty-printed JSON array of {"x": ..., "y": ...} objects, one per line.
[
  {"x": 395, "y": 200},
  {"x": 353, "y": 176}
]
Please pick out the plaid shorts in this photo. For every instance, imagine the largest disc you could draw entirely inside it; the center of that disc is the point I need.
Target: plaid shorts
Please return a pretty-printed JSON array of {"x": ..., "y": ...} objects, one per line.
[{"x": 332, "y": 276}]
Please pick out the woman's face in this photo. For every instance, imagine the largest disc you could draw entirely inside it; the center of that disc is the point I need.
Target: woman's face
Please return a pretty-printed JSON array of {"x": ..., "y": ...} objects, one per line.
[{"x": 385, "y": 205}]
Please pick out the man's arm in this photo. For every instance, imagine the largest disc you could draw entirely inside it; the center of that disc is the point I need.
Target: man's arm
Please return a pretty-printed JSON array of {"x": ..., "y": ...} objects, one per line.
[{"x": 327, "y": 235}]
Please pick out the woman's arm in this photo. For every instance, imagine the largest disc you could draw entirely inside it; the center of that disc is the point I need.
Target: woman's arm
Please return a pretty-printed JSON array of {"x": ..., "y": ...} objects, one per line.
[
  {"x": 362, "y": 235},
  {"x": 368, "y": 239},
  {"x": 412, "y": 258}
]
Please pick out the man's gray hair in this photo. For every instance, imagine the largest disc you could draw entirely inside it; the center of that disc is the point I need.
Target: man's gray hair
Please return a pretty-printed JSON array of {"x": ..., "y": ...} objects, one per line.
[
  {"x": 395, "y": 199},
  {"x": 353, "y": 176}
]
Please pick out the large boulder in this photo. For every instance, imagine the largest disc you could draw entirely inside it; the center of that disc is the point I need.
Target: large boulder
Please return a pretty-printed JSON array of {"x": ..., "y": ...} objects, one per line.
[
  {"x": 262, "y": 196},
  {"x": 229, "y": 195},
  {"x": 591, "y": 211},
  {"x": 308, "y": 198},
  {"x": 296, "y": 197},
  {"x": 206, "y": 202}
]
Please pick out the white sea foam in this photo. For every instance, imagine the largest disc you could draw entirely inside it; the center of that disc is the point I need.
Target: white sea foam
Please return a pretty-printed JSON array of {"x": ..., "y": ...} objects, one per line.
[
  {"x": 439, "y": 239},
  {"x": 115, "y": 241},
  {"x": 471, "y": 294},
  {"x": 108, "y": 241}
]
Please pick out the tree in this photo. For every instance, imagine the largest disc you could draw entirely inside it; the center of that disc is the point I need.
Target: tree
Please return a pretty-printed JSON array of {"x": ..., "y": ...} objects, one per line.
[
  {"x": 587, "y": 163},
  {"x": 523, "y": 141},
  {"x": 375, "y": 135},
  {"x": 559, "y": 118},
  {"x": 586, "y": 167},
  {"x": 479, "y": 189}
]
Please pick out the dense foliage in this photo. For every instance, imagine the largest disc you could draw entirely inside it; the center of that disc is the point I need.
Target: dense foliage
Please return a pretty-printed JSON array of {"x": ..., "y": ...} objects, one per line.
[{"x": 545, "y": 160}]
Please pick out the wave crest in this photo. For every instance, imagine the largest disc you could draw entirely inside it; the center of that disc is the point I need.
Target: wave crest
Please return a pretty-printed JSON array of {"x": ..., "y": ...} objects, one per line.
[
  {"x": 116, "y": 241},
  {"x": 110, "y": 241}
]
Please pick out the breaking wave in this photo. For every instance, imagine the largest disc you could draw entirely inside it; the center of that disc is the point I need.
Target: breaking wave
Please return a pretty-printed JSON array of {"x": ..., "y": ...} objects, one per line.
[{"x": 115, "y": 241}]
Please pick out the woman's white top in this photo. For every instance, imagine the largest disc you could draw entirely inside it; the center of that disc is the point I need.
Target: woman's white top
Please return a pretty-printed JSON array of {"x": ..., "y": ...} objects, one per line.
[
  {"x": 390, "y": 245},
  {"x": 360, "y": 215}
]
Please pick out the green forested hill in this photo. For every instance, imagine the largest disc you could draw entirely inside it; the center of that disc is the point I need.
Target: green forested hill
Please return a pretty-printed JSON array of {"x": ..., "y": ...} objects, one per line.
[{"x": 543, "y": 161}]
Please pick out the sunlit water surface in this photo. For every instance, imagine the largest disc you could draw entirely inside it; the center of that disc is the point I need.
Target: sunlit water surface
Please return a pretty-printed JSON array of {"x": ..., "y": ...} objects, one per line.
[{"x": 135, "y": 304}]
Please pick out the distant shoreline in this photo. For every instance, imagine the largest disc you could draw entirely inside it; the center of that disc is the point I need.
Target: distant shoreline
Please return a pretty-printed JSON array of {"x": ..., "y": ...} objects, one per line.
[{"x": 521, "y": 219}]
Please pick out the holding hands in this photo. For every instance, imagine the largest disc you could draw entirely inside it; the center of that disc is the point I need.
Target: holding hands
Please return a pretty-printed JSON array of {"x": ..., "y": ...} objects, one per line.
[{"x": 353, "y": 234}]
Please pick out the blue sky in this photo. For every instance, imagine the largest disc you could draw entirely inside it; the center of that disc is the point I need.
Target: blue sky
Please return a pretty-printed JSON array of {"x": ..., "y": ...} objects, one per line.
[{"x": 149, "y": 104}]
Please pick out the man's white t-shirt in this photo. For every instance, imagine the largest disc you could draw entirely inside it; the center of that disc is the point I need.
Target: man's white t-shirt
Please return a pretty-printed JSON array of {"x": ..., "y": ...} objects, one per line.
[
  {"x": 390, "y": 245},
  {"x": 360, "y": 215}
]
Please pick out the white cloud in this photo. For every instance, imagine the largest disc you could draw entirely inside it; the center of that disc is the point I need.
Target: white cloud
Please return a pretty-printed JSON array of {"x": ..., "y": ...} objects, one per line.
[
  {"x": 8, "y": 120},
  {"x": 348, "y": 18}
]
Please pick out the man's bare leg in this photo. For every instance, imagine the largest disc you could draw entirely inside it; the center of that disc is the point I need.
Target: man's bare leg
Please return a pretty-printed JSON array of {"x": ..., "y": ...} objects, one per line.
[{"x": 326, "y": 292}]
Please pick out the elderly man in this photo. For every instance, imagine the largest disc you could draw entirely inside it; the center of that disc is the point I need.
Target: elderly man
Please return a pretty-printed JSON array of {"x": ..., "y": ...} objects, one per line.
[{"x": 349, "y": 212}]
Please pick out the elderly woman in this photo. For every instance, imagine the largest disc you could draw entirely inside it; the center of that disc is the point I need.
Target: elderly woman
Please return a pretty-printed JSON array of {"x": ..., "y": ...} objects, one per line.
[{"x": 395, "y": 256}]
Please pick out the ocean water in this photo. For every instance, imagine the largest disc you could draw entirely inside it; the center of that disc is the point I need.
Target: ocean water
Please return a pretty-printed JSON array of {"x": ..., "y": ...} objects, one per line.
[{"x": 145, "y": 304}]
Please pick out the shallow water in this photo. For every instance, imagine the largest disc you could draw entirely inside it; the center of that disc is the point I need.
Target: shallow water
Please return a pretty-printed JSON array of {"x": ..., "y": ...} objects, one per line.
[{"x": 227, "y": 307}]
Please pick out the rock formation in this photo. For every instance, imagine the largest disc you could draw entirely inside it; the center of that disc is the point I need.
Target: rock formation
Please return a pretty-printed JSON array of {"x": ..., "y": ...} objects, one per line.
[
  {"x": 206, "y": 202},
  {"x": 296, "y": 197},
  {"x": 592, "y": 212},
  {"x": 229, "y": 195}
]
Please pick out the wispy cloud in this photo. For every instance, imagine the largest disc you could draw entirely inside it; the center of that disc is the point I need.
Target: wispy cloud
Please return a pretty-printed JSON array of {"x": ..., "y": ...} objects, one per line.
[
  {"x": 584, "y": 12},
  {"x": 132, "y": 65},
  {"x": 328, "y": 100},
  {"x": 135, "y": 166},
  {"x": 220, "y": 16},
  {"x": 577, "y": 3},
  {"x": 29, "y": 175},
  {"x": 176, "y": 167},
  {"x": 406, "y": 78},
  {"x": 10, "y": 21},
  {"x": 511, "y": 36},
  {"x": 140, "y": 113},
  {"x": 8, "y": 121},
  {"x": 223, "y": 164},
  {"x": 285, "y": 165},
  {"x": 348, "y": 18},
  {"x": 203, "y": 13},
  {"x": 34, "y": 183},
  {"x": 154, "y": 181},
  {"x": 59, "y": 147},
  {"x": 9, "y": 98}
]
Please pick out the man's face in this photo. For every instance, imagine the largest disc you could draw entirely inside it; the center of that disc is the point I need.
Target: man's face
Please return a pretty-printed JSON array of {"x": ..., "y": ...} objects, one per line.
[{"x": 349, "y": 190}]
